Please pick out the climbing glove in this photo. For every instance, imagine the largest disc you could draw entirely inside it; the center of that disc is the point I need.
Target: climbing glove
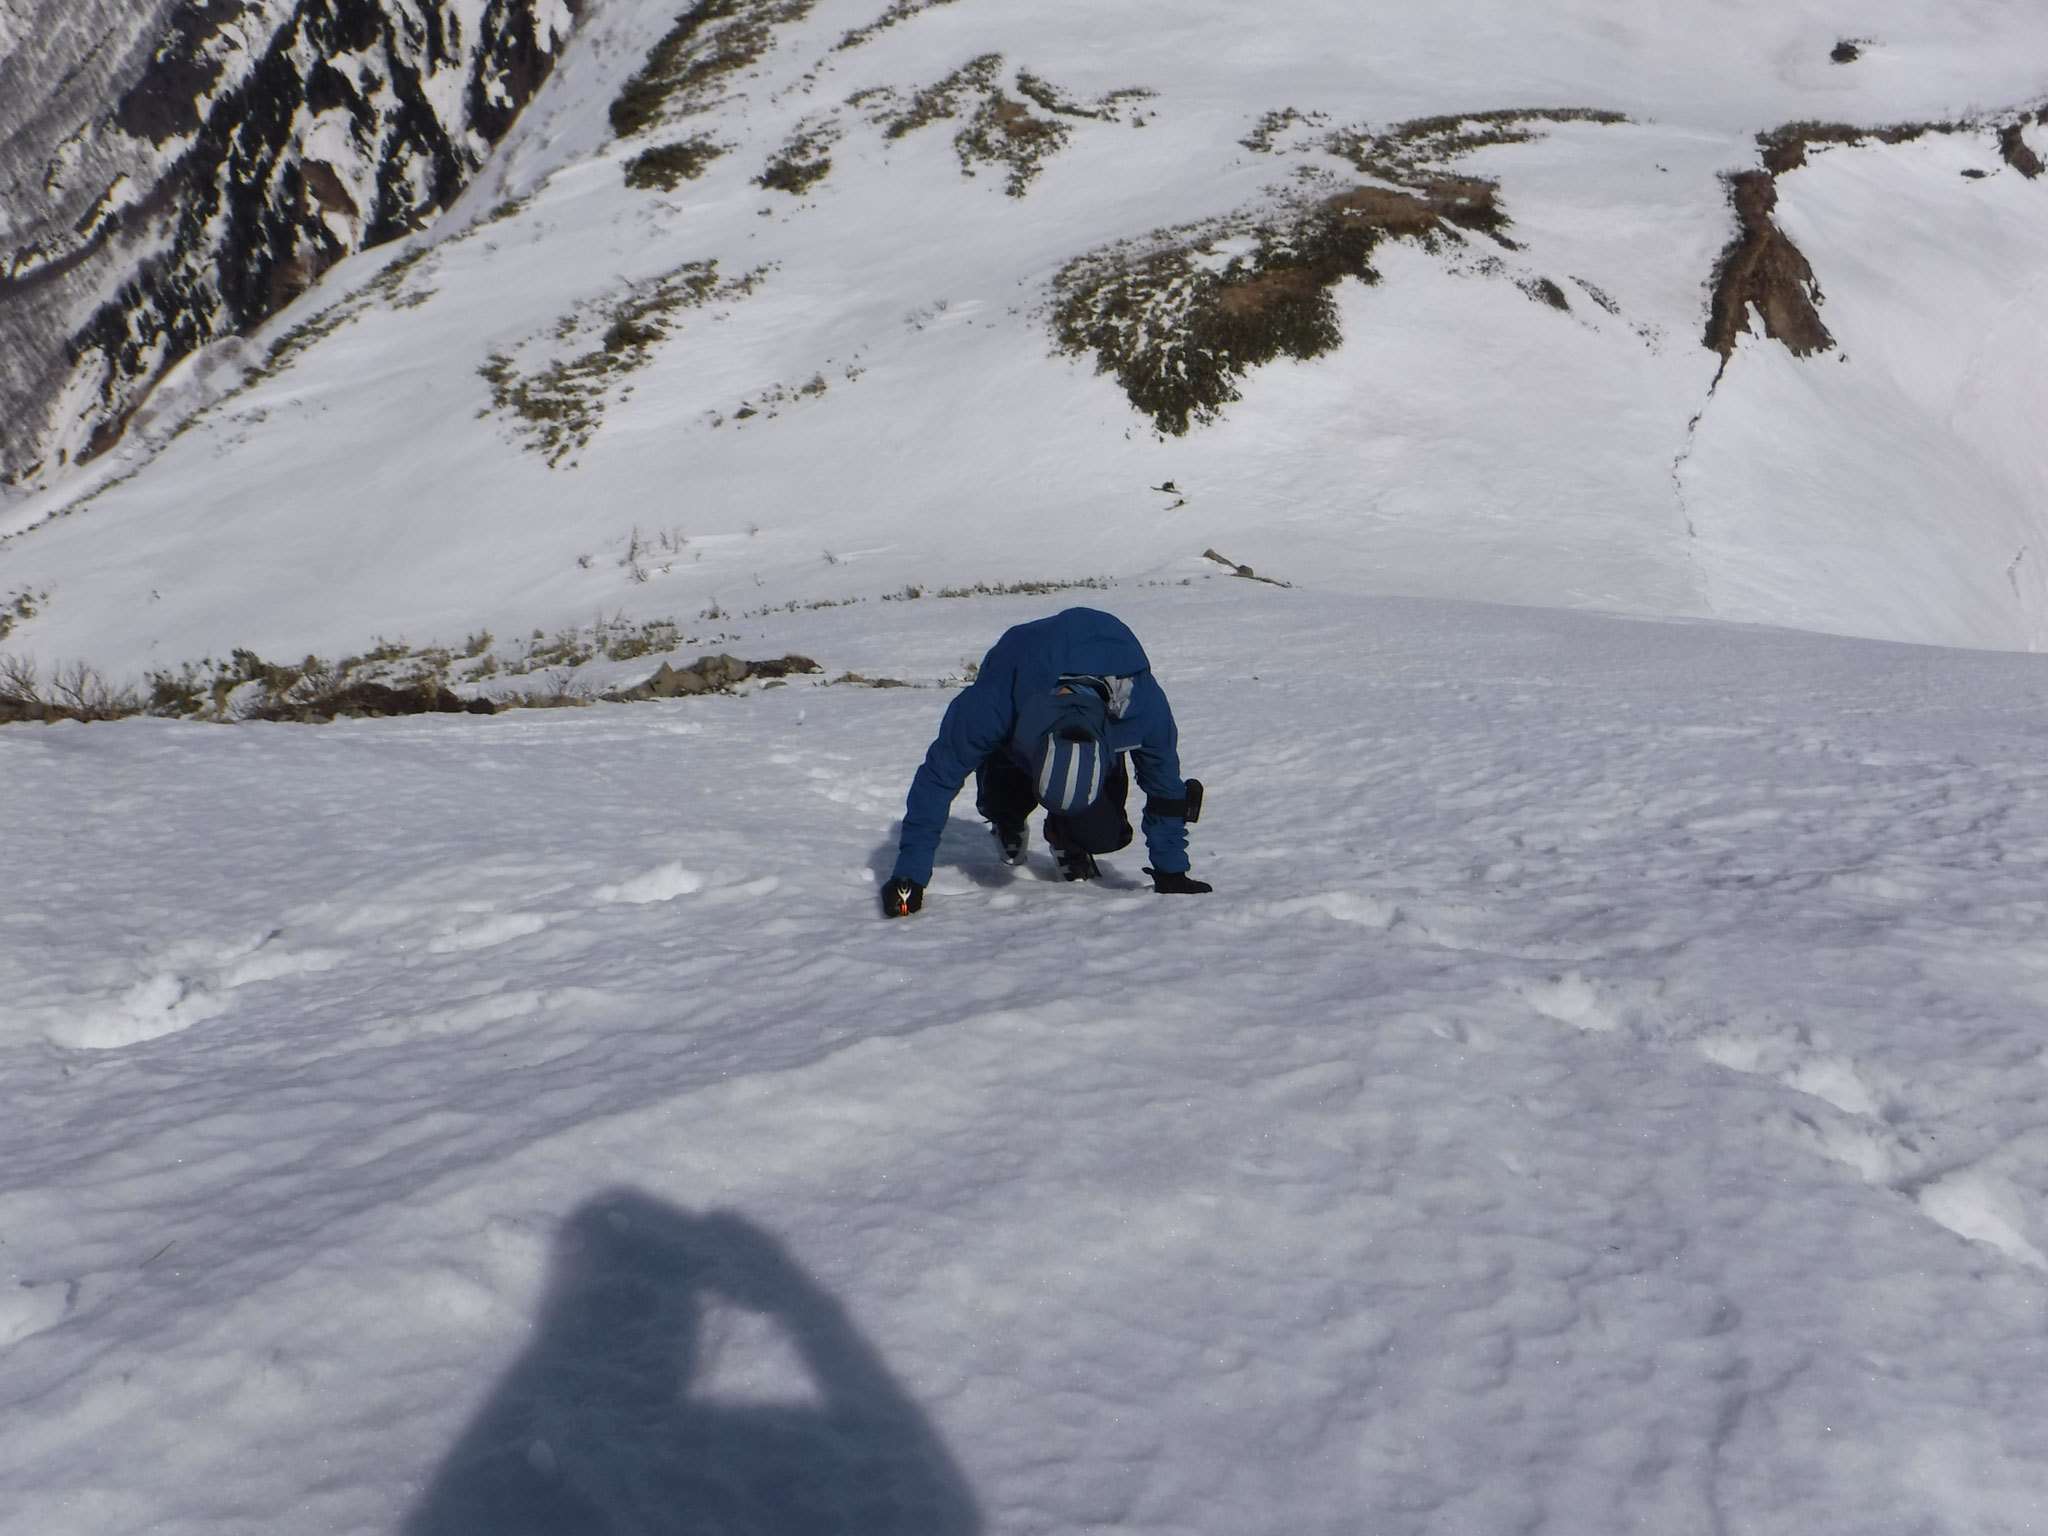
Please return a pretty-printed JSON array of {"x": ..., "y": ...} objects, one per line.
[{"x": 901, "y": 897}]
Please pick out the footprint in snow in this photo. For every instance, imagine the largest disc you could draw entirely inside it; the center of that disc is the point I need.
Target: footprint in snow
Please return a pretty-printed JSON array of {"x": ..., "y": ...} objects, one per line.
[
  {"x": 1976, "y": 1201},
  {"x": 665, "y": 882},
  {"x": 26, "y": 1310},
  {"x": 500, "y": 929},
  {"x": 1339, "y": 906},
  {"x": 187, "y": 985},
  {"x": 1573, "y": 1000}
]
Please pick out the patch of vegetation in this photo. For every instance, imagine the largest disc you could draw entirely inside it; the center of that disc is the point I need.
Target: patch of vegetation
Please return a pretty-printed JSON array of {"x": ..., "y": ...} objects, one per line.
[
  {"x": 75, "y": 692},
  {"x": 802, "y": 161},
  {"x": 1784, "y": 148},
  {"x": 798, "y": 605},
  {"x": 1264, "y": 134},
  {"x": 899, "y": 10},
  {"x": 620, "y": 641},
  {"x": 661, "y": 553},
  {"x": 1598, "y": 296},
  {"x": 1027, "y": 588},
  {"x": 247, "y": 687},
  {"x": 1417, "y": 147},
  {"x": 1152, "y": 313},
  {"x": 768, "y": 402},
  {"x": 387, "y": 283},
  {"x": 559, "y": 408},
  {"x": 663, "y": 167},
  {"x": 934, "y": 103},
  {"x": 1179, "y": 317},
  {"x": 999, "y": 131},
  {"x": 614, "y": 639},
  {"x": 710, "y": 41},
  {"x": 19, "y": 608},
  {"x": 1182, "y": 314},
  {"x": 286, "y": 349},
  {"x": 1003, "y": 133},
  {"x": 391, "y": 678},
  {"x": 310, "y": 332},
  {"x": 394, "y": 678},
  {"x": 1052, "y": 99}
]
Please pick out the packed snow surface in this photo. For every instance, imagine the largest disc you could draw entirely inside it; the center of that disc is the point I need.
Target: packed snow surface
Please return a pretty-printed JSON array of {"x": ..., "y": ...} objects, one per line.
[{"x": 1603, "y": 1094}]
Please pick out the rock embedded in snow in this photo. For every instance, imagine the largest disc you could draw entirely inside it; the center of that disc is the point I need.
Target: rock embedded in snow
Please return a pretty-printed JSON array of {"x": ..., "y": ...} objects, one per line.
[{"x": 710, "y": 674}]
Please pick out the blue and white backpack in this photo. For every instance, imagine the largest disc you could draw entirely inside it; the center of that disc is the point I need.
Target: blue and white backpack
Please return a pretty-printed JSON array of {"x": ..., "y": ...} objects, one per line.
[{"x": 1067, "y": 734}]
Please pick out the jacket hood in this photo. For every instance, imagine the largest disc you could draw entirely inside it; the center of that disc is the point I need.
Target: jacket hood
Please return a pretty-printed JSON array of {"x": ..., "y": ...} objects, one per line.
[{"x": 1089, "y": 640}]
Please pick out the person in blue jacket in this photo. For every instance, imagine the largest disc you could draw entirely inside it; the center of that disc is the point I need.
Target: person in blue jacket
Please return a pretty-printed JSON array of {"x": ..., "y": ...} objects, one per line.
[{"x": 1048, "y": 720}]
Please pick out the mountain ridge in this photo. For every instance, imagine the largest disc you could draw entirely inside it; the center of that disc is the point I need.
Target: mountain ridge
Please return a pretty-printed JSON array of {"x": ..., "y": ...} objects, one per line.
[{"x": 874, "y": 392}]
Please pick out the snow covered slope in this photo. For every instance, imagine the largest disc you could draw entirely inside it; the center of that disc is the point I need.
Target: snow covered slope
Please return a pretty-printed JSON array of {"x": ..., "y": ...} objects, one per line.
[
  {"x": 825, "y": 293},
  {"x": 1604, "y": 1095}
]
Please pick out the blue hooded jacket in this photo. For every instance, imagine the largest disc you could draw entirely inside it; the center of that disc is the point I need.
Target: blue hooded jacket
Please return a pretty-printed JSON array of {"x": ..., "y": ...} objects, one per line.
[{"x": 1022, "y": 668}]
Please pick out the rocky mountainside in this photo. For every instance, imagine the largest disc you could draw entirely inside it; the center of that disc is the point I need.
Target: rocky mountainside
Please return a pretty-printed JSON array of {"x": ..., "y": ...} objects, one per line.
[
  {"x": 171, "y": 174},
  {"x": 1721, "y": 313}
]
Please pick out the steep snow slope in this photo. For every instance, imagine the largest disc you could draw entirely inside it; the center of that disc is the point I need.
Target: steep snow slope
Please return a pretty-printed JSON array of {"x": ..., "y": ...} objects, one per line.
[
  {"x": 865, "y": 392},
  {"x": 1604, "y": 1095},
  {"x": 1898, "y": 485}
]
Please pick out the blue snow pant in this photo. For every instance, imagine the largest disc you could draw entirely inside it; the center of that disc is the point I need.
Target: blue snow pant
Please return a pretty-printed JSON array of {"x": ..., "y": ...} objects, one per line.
[{"x": 1004, "y": 793}]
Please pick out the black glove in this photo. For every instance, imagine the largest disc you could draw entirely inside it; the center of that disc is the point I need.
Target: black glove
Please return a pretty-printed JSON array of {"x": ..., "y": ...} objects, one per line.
[
  {"x": 1177, "y": 882},
  {"x": 901, "y": 897}
]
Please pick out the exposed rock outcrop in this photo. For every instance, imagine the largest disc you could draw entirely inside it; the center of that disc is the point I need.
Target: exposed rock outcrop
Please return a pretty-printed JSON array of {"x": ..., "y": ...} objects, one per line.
[
  {"x": 711, "y": 674},
  {"x": 174, "y": 173},
  {"x": 1762, "y": 270}
]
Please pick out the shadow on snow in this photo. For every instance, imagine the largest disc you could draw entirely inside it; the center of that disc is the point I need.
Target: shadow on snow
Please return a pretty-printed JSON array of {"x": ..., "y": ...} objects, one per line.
[
  {"x": 603, "y": 1425},
  {"x": 970, "y": 847}
]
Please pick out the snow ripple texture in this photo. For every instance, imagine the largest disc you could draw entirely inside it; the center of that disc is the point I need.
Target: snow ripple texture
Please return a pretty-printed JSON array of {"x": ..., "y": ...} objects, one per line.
[{"x": 1604, "y": 1094}]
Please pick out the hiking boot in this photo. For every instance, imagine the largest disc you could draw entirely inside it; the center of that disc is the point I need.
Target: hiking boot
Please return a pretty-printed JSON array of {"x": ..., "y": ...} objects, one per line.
[
  {"x": 1077, "y": 864},
  {"x": 1011, "y": 841}
]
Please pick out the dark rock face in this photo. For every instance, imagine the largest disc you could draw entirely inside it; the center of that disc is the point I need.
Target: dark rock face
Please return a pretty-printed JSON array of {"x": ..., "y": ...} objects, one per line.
[
  {"x": 1763, "y": 270},
  {"x": 712, "y": 674},
  {"x": 175, "y": 172}
]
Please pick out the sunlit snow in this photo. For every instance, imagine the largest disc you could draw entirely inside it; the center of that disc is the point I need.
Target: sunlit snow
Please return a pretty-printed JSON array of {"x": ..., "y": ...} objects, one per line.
[{"x": 1602, "y": 1094}]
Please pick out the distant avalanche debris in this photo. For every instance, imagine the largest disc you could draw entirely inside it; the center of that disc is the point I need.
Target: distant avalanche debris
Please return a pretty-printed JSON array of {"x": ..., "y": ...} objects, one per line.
[{"x": 196, "y": 166}]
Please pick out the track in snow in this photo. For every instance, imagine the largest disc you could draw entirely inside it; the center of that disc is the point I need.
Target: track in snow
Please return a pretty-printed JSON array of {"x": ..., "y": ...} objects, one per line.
[{"x": 1603, "y": 1092}]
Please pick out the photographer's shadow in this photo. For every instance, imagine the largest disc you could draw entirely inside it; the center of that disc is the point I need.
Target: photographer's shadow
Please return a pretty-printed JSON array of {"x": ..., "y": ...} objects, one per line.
[{"x": 600, "y": 1427}]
